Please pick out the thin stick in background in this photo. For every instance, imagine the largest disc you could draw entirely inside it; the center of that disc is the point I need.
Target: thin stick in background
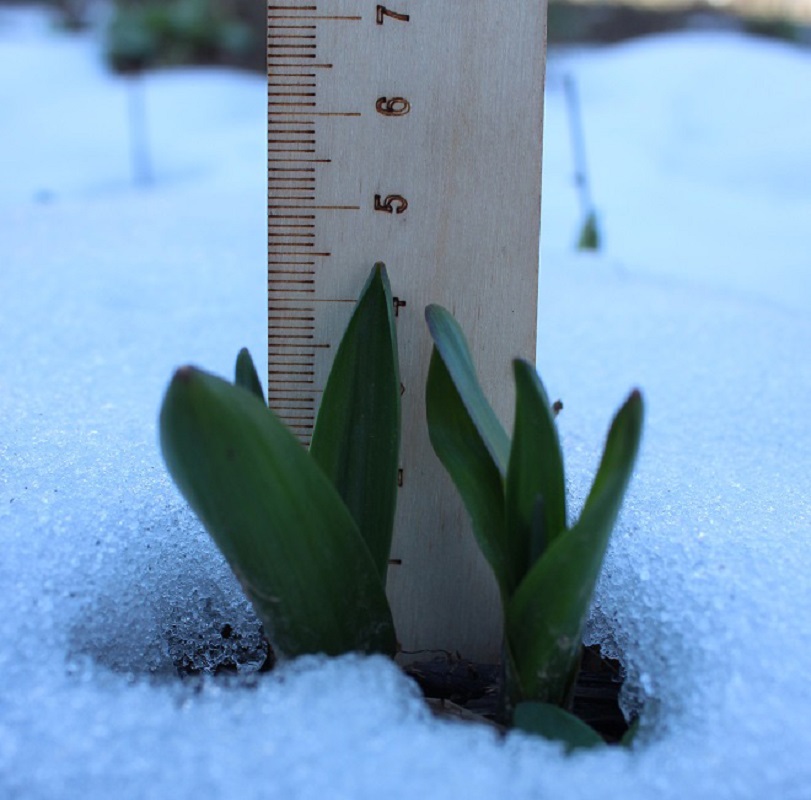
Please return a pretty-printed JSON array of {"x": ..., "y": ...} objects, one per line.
[{"x": 589, "y": 238}]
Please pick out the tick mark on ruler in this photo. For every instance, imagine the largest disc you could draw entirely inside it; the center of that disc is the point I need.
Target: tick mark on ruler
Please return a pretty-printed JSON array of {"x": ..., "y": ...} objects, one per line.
[
  {"x": 293, "y": 253},
  {"x": 315, "y": 16}
]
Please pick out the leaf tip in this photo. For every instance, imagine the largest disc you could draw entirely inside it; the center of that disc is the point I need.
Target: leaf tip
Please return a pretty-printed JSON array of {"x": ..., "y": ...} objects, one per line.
[{"x": 185, "y": 374}]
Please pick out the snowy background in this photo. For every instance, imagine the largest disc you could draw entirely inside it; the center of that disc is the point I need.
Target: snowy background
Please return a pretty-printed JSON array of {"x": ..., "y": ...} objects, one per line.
[{"x": 701, "y": 169}]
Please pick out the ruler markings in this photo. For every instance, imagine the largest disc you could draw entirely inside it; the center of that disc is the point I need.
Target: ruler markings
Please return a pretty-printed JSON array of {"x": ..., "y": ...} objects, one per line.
[
  {"x": 294, "y": 172},
  {"x": 299, "y": 66},
  {"x": 319, "y": 69},
  {"x": 299, "y": 345},
  {"x": 302, "y": 401},
  {"x": 345, "y": 18},
  {"x": 315, "y": 113},
  {"x": 291, "y": 253},
  {"x": 320, "y": 208}
]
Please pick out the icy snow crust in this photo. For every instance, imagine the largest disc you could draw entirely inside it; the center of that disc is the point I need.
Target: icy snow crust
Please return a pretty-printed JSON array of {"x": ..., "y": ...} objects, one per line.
[{"x": 701, "y": 169}]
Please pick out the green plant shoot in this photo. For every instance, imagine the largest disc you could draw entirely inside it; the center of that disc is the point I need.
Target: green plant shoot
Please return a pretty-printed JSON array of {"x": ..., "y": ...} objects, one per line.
[
  {"x": 288, "y": 523},
  {"x": 546, "y": 570}
]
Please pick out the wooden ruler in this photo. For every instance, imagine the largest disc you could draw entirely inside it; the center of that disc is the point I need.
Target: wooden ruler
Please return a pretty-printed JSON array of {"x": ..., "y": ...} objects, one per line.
[{"x": 407, "y": 133}]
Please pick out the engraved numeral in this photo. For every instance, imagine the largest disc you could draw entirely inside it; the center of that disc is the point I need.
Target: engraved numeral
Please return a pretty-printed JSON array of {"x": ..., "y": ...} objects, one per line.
[
  {"x": 382, "y": 11},
  {"x": 393, "y": 204},
  {"x": 392, "y": 106}
]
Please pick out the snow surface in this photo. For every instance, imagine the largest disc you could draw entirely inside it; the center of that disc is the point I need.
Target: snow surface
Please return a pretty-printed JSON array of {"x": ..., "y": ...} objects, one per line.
[{"x": 701, "y": 170}]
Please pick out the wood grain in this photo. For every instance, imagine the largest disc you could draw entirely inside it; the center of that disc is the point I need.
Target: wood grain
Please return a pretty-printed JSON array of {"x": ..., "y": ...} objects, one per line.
[{"x": 437, "y": 121}]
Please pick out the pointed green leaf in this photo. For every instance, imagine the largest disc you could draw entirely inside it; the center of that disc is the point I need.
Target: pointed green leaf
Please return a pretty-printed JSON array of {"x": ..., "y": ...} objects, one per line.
[
  {"x": 535, "y": 469},
  {"x": 464, "y": 455},
  {"x": 538, "y": 532},
  {"x": 629, "y": 737},
  {"x": 617, "y": 463},
  {"x": 451, "y": 345},
  {"x": 589, "y": 238},
  {"x": 245, "y": 374},
  {"x": 552, "y": 722},
  {"x": 276, "y": 518},
  {"x": 356, "y": 439},
  {"x": 545, "y": 616}
]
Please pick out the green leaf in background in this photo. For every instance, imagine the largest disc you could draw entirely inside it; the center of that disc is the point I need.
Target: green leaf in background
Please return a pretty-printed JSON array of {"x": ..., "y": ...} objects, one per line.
[
  {"x": 535, "y": 472},
  {"x": 539, "y": 532},
  {"x": 589, "y": 238},
  {"x": 463, "y": 453},
  {"x": 545, "y": 616},
  {"x": 246, "y": 376},
  {"x": 356, "y": 439},
  {"x": 469, "y": 440},
  {"x": 275, "y": 516},
  {"x": 552, "y": 722},
  {"x": 450, "y": 343}
]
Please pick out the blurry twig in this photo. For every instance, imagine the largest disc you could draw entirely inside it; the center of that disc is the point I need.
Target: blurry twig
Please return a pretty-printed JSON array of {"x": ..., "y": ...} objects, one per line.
[
  {"x": 589, "y": 238},
  {"x": 139, "y": 139}
]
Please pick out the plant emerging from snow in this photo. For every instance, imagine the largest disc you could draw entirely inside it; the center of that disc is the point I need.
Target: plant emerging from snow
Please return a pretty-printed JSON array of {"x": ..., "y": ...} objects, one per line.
[
  {"x": 308, "y": 533},
  {"x": 515, "y": 495}
]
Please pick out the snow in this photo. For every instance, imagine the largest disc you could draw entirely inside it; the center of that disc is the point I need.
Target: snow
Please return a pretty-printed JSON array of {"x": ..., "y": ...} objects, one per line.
[{"x": 697, "y": 145}]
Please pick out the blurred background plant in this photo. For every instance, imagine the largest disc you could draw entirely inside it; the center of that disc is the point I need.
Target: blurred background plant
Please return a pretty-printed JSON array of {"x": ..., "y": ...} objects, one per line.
[
  {"x": 150, "y": 33},
  {"x": 232, "y": 32},
  {"x": 75, "y": 15},
  {"x": 605, "y": 21}
]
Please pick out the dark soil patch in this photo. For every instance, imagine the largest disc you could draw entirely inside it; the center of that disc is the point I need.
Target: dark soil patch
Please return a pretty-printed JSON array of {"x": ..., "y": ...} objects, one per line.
[{"x": 469, "y": 690}]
